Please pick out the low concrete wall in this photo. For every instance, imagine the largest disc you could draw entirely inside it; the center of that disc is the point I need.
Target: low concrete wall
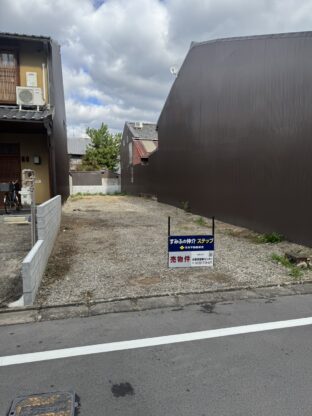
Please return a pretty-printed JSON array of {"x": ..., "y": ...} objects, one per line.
[
  {"x": 34, "y": 264},
  {"x": 109, "y": 186},
  {"x": 85, "y": 182}
]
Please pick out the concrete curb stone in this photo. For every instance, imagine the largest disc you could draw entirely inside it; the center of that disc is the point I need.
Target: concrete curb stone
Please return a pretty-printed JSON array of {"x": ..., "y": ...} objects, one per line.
[{"x": 9, "y": 316}]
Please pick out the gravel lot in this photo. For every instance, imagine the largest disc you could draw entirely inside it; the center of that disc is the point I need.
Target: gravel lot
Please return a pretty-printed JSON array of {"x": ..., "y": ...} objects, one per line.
[{"x": 116, "y": 246}]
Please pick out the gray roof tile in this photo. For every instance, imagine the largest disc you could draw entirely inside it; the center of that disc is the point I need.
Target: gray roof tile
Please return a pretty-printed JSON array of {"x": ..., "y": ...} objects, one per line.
[
  {"x": 147, "y": 132},
  {"x": 15, "y": 114},
  {"x": 77, "y": 145},
  {"x": 24, "y": 36}
]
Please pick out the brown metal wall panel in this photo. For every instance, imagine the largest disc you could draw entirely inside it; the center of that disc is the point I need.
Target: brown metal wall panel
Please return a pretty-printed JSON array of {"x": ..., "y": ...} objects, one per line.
[
  {"x": 59, "y": 155},
  {"x": 235, "y": 134}
]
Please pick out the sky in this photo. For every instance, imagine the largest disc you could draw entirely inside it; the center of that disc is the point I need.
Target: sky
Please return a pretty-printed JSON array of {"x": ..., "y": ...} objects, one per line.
[{"x": 117, "y": 54}]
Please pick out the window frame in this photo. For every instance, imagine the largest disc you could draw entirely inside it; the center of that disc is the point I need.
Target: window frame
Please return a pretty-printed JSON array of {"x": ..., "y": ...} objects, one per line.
[{"x": 12, "y": 50}]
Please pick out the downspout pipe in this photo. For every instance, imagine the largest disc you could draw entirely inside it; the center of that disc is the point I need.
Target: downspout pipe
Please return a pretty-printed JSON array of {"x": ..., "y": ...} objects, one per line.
[{"x": 44, "y": 83}]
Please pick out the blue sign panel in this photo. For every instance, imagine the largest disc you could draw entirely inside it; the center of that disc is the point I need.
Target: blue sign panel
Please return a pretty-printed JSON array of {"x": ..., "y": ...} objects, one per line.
[{"x": 190, "y": 243}]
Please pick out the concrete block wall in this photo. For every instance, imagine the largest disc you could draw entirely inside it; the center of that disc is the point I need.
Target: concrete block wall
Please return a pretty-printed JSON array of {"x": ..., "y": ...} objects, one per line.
[
  {"x": 32, "y": 271},
  {"x": 34, "y": 264}
]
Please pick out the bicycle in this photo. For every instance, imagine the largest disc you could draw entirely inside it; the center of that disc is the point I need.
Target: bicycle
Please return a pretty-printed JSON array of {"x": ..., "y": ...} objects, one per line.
[{"x": 11, "y": 201}]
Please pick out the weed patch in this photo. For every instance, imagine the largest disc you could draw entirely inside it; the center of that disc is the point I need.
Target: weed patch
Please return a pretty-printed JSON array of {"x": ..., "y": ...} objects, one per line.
[
  {"x": 185, "y": 206},
  {"x": 294, "y": 271},
  {"x": 80, "y": 195},
  {"x": 272, "y": 238},
  {"x": 201, "y": 222}
]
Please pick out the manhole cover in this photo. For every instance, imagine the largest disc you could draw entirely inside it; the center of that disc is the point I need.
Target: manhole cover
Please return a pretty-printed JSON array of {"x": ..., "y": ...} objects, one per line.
[{"x": 52, "y": 404}]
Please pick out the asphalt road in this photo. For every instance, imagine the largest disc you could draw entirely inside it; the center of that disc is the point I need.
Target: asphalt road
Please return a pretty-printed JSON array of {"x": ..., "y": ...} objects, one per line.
[{"x": 264, "y": 373}]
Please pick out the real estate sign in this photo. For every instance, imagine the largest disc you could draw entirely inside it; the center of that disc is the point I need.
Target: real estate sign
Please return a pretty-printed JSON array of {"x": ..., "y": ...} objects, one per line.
[{"x": 190, "y": 251}]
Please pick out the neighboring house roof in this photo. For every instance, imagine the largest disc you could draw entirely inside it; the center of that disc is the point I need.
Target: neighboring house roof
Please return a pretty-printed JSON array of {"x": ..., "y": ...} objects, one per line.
[
  {"x": 77, "y": 145},
  {"x": 23, "y": 36},
  {"x": 145, "y": 147},
  {"x": 147, "y": 132},
  {"x": 305, "y": 34},
  {"x": 15, "y": 114}
]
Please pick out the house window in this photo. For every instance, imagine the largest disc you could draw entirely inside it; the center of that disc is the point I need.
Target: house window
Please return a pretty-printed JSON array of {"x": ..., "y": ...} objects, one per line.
[{"x": 8, "y": 77}]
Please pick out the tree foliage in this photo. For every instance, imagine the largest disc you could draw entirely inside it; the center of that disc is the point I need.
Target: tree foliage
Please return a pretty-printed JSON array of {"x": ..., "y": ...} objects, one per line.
[{"x": 103, "y": 152}]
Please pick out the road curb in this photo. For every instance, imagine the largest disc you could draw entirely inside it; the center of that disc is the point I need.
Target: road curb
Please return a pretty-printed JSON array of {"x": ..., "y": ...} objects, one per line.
[{"x": 10, "y": 316}]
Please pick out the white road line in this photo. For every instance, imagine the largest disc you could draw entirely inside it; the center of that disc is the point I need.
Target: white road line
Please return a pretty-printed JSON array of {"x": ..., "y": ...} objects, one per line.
[{"x": 149, "y": 342}]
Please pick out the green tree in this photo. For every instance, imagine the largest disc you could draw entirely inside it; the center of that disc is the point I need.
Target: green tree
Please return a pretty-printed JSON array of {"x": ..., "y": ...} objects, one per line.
[{"x": 103, "y": 152}]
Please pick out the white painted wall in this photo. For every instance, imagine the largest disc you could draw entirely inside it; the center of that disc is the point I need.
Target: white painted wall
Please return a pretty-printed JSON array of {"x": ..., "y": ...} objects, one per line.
[
  {"x": 70, "y": 185},
  {"x": 109, "y": 186},
  {"x": 34, "y": 264}
]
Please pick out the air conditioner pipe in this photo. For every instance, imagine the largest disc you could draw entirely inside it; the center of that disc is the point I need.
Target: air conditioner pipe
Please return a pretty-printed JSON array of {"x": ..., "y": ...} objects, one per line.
[{"x": 43, "y": 83}]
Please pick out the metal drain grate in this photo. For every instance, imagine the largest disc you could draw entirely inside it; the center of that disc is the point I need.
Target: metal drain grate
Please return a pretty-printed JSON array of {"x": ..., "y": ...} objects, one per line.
[{"x": 52, "y": 404}]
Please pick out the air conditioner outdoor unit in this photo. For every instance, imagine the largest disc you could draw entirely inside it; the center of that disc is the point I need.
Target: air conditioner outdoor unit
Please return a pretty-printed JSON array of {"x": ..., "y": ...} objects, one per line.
[
  {"x": 29, "y": 96},
  {"x": 138, "y": 125}
]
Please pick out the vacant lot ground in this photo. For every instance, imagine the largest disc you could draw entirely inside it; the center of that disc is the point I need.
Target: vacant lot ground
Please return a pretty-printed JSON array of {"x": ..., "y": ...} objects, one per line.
[
  {"x": 14, "y": 245},
  {"x": 116, "y": 247}
]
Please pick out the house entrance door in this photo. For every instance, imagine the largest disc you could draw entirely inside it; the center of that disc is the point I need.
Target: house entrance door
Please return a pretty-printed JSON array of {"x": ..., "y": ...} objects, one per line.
[{"x": 10, "y": 164}]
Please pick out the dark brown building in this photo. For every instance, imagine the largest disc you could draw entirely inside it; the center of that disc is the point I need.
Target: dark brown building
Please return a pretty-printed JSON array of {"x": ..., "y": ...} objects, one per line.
[
  {"x": 32, "y": 113},
  {"x": 139, "y": 142},
  {"x": 235, "y": 134}
]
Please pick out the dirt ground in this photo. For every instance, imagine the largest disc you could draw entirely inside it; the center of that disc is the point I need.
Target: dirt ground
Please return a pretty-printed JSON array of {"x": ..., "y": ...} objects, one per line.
[
  {"x": 112, "y": 247},
  {"x": 14, "y": 245}
]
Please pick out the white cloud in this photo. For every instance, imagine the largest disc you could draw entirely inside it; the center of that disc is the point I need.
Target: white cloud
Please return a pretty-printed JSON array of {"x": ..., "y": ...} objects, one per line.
[{"x": 117, "y": 53}]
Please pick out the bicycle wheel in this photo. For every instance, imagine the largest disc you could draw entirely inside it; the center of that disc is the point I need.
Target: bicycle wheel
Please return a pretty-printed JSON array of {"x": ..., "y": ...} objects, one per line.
[
  {"x": 7, "y": 205},
  {"x": 16, "y": 203}
]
